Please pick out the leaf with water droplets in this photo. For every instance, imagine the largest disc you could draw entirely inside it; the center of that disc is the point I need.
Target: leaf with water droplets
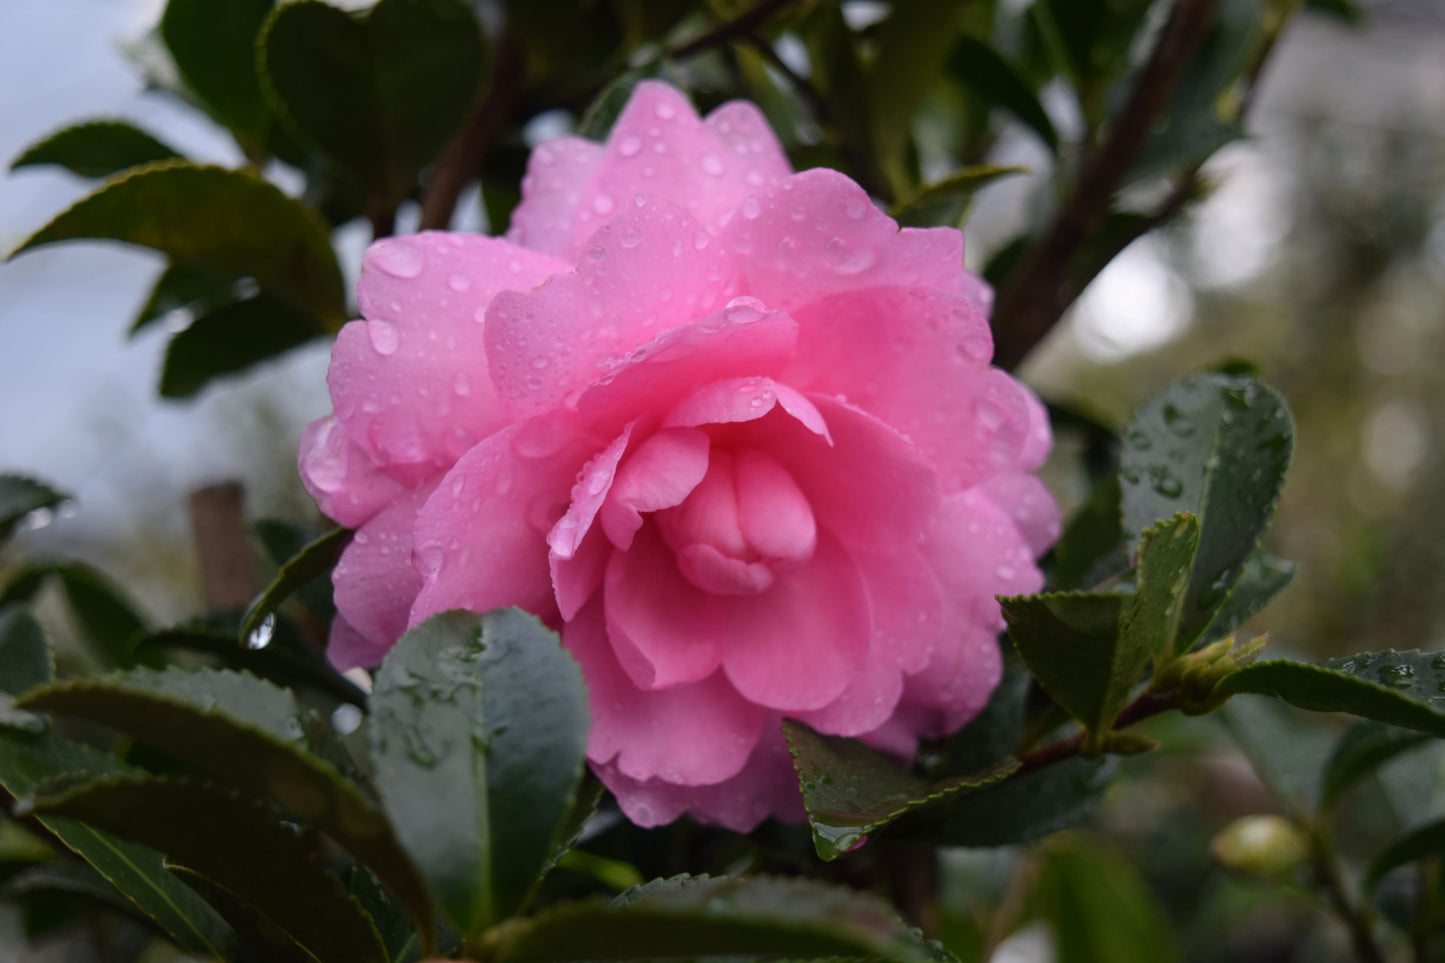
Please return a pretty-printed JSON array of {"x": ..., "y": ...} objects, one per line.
[
  {"x": 478, "y": 734},
  {"x": 1217, "y": 446},
  {"x": 314, "y": 559},
  {"x": 21, "y": 498},
  {"x": 1405, "y": 689},
  {"x": 853, "y": 791},
  {"x": 1166, "y": 559}
]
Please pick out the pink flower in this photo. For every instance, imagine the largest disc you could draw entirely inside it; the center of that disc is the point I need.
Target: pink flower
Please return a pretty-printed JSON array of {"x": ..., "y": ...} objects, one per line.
[{"x": 725, "y": 426}]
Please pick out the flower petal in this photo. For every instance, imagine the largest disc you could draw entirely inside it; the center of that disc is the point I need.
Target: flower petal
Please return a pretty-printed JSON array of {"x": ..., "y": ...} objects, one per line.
[
  {"x": 557, "y": 174},
  {"x": 817, "y": 234},
  {"x": 374, "y": 578},
  {"x": 659, "y": 474},
  {"x": 410, "y": 383},
  {"x": 346, "y": 648},
  {"x": 694, "y": 734},
  {"x": 1029, "y": 505},
  {"x": 338, "y": 474}
]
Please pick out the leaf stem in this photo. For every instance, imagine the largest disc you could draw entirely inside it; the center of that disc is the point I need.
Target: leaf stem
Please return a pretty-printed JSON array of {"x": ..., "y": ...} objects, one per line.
[{"x": 1147, "y": 705}]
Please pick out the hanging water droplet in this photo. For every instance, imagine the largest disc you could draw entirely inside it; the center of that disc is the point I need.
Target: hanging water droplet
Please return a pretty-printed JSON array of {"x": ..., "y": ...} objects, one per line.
[
  {"x": 383, "y": 336},
  {"x": 260, "y": 636},
  {"x": 37, "y": 519},
  {"x": 346, "y": 719}
]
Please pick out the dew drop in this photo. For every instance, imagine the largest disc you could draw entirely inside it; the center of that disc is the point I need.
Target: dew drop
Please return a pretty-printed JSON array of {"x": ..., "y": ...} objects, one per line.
[
  {"x": 712, "y": 165},
  {"x": 665, "y": 111},
  {"x": 743, "y": 310},
  {"x": 631, "y": 237},
  {"x": 459, "y": 282},
  {"x": 38, "y": 518},
  {"x": 629, "y": 146},
  {"x": 846, "y": 258},
  {"x": 346, "y": 719},
  {"x": 383, "y": 336},
  {"x": 462, "y": 384},
  {"x": 260, "y": 636},
  {"x": 397, "y": 257},
  {"x": 603, "y": 204},
  {"x": 752, "y": 208}
]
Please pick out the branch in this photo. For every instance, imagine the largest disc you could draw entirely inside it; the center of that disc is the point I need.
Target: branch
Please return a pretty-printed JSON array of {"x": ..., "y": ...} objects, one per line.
[
  {"x": 463, "y": 159},
  {"x": 1036, "y": 294},
  {"x": 738, "y": 26},
  {"x": 1147, "y": 705}
]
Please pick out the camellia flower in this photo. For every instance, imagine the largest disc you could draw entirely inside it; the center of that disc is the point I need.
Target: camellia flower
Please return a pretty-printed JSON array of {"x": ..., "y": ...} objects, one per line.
[{"x": 726, "y": 427}]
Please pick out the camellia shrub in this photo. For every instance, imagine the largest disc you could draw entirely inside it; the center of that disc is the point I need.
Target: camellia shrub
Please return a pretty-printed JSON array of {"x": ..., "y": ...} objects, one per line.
[{"x": 687, "y": 586}]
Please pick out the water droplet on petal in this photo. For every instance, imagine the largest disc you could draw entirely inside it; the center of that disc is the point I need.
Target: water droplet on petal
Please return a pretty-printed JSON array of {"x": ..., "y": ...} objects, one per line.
[
  {"x": 602, "y": 204},
  {"x": 752, "y": 208},
  {"x": 459, "y": 282},
  {"x": 712, "y": 165},
  {"x": 665, "y": 110},
  {"x": 848, "y": 258},
  {"x": 397, "y": 257},
  {"x": 462, "y": 384},
  {"x": 744, "y": 310},
  {"x": 629, "y": 146},
  {"x": 383, "y": 336},
  {"x": 631, "y": 237}
]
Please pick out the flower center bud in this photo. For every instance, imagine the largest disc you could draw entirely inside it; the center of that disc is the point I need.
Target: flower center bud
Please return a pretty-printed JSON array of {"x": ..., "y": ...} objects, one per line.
[{"x": 746, "y": 518}]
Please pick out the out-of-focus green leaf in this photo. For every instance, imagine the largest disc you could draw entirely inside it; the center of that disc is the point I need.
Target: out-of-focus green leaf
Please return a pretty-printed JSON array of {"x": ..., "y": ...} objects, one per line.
[
  {"x": 213, "y": 44},
  {"x": 1288, "y": 754},
  {"x": 478, "y": 733},
  {"x": 71, "y": 878},
  {"x": 250, "y": 734},
  {"x": 231, "y": 339},
  {"x": 283, "y": 541},
  {"x": 1398, "y": 688},
  {"x": 750, "y": 918},
  {"x": 228, "y": 221},
  {"x": 184, "y": 287},
  {"x": 1074, "y": 646},
  {"x": 1217, "y": 446},
  {"x": 1420, "y": 843},
  {"x": 979, "y": 67},
  {"x": 314, "y": 559},
  {"x": 25, "y": 662},
  {"x": 397, "y": 928},
  {"x": 1166, "y": 561},
  {"x": 1264, "y": 577},
  {"x": 109, "y": 624},
  {"x": 286, "y": 661},
  {"x": 1362, "y": 750},
  {"x": 945, "y": 202},
  {"x": 27, "y": 761},
  {"x": 1091, "y": 549},
  {"x": 1022, "y": 809},
  {"x": 21, "y": 496},
  {"x": 852, "y": 791},
  {"x": 1347, "y": 10},
  {"x": 237, "y": 845},
  {"x": 606, "y": 107},
  {"x": 259, "y": 938},
  {"x": 381, "y": 95},
  {"x": 1098, "y": 906},
  {"x": 96, "y": 148}
]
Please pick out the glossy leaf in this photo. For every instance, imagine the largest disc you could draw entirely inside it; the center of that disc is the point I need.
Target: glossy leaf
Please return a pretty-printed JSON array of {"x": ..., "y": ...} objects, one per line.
[
  {"x": 250, "y": 734},
  {"x": 944, "y": 202},
  {"x": 979, "y": 67},
  {"x": 1098, "y": 906},
  {"x": 754, "y": 917},
  {"x": 109, "y": 624},
  {"x": 478, "y": 733},
  {"x": 1166, "y": 561},
  {"x": 1264, "y": 577},
  {"x": 228, "y": 221},
  {"x": 184, "y": 287},
  {"x": 231, "y": 339},
  {"x": 20, "y": 497},
  {"x": 287, "y": 661},
  {"x": 1398, "y": 688},
  {"x": 213, "y": 44},
  {"x": 1362, "y": 750},
  {"x": 283, "y": 541},
  {"x": 1420, "y": 843},
  {"x": 96, "y": 148},
  {"x": 237, "y": 845},
  {"x": 25, "y": 662},
  {"x": 1074, "y": 646},
  {"x": 352, "y": 87},
  {"x": 27, "y": 761},
  {"x": 1216, "y": 446},
  {"x": 1024, "y": 808},
  {"x": 259, "y": 938},
  {"x": 314, "y": 559},
  {"x": 853, "y": 791}
]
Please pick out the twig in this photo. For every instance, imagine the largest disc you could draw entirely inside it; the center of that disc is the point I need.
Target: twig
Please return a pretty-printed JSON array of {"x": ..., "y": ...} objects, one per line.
[
  {"x": 463, "y": 159},
  {"x": 1035, "y": 296},
  {"x": 1327, "y": 874},
  {"x": 740, "y": 25},
  {"x": 1147, "y": 705}
]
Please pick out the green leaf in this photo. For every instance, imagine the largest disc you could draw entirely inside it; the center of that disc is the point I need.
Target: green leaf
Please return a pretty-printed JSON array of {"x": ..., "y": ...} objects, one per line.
[
  {"x": 1287, "y": 753},
  {"x": 1264, "y": 577},
  {"x": 1420, "y": 843},
  {"x": 1362, "y": 750},
  {"x": 754, "y": 917},
  {"x": 287, "y": 661},
  {"x": 393, "y": 922},
  {"x": 228, "y": 221},
  {"x": 976, "y": 65},
  {"x": 1074, "y": 646},
  {"x": 606, "y": 107},
  {"x": 185, "y": 287},
  {"x": 852, "y": 791},
  {"x": 250, "y": 734},
  {"x": 25, "y": 662},
  {"x": 283, "y": 541},
  {"x": 260, "y": 939},
  {"x": 1166, "y": 560},
  {"x": 478, "y": 734},
  {"x": 1398, "y": 688},
  {"x": 213, "y": 44},
  {"x": 240, "y": 847},
  {"x": 353, "y": 87},
  {"x": 231, "y": 339},
  {"x": 63, "y": 876},
  {"x": 1098, "y": 905},
  {"x": 27, "y": 761},
  {"x": 945, "y": 202},
  {"x": 1024, "y": 808},
  {"x": 1217, "y": 446},
  {"x": 109, "y": 624},
  {"x": 314, "y": 559},
  {"x": 96, "y": 148},
  {"x": 1090, "y": 551},
  {"x": 20, "y": 497}
]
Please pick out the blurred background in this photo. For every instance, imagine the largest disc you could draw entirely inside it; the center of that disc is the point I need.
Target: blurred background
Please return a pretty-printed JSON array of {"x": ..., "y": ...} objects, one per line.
[{"x": 1318, "y": 255}]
